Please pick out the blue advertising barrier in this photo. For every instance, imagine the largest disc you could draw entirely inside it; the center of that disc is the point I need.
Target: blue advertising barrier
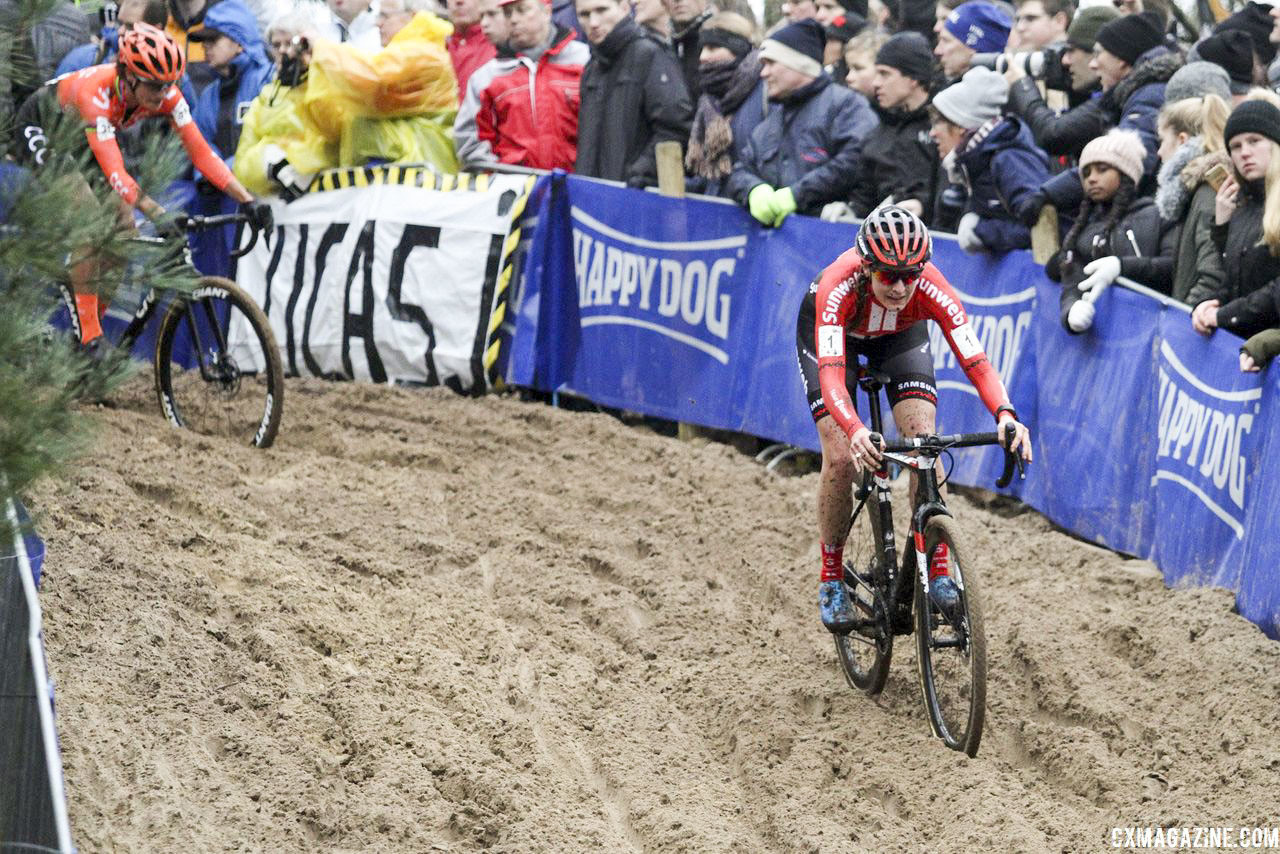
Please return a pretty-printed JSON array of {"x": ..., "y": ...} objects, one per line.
[{"x": 1148, "y": 438}]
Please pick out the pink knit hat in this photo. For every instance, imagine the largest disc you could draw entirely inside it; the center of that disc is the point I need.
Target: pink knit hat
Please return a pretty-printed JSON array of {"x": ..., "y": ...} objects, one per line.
[{"x": 1121, "y": 149}]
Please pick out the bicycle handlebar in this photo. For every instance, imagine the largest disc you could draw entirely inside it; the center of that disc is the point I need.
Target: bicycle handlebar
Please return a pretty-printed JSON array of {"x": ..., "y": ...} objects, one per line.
[
  {"x": 934, "y": 445},
  {"x": 203, "y": 223}
]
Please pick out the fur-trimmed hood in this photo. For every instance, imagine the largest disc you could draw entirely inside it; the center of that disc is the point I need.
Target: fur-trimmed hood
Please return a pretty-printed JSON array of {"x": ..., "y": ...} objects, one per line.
[{"x": 1182, "y": 174}]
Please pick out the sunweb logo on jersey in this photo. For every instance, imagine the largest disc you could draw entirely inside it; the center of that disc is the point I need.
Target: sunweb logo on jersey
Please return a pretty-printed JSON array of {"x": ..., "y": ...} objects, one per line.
[{"x": 681, "y": 290}]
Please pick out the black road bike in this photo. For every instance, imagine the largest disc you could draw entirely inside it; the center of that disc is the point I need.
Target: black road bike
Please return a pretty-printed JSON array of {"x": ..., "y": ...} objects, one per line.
[
  {"x": 217, "y": 367},
  {"x": 891, "y": 597}
]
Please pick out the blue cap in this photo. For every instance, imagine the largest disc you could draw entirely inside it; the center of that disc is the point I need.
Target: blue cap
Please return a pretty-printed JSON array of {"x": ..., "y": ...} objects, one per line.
[{"x": 983, "y": 27}]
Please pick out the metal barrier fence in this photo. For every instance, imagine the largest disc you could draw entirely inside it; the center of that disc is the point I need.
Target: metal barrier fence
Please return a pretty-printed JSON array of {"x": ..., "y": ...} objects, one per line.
[{"x": 33, "y": 808}]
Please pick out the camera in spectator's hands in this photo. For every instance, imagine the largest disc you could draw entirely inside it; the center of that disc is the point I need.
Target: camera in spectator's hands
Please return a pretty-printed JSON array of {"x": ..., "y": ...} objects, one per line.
[{"x": 1044, "y": 64}]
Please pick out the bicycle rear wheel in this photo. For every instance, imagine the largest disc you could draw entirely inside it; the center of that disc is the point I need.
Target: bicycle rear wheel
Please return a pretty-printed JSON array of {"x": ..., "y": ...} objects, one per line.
[
  {"x": 952, "y": 660},
  {"x": 218, "y": 369},
  {"x": 865, "y": 652}
]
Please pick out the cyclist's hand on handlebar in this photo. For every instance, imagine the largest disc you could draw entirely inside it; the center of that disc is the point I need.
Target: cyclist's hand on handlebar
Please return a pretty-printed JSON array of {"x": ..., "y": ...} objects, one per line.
[
  {"x": 259, "y": 215},
  {"x": 1021, "y": 444},
  {"x": 866, "y": 453},
  {"x": 172, "y": 227}
]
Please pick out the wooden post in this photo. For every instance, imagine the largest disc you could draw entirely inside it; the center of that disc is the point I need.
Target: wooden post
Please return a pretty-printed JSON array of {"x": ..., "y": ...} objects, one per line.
[
  {"x": 1044, "y": 235},
  {"x": 670, "y": 156}
]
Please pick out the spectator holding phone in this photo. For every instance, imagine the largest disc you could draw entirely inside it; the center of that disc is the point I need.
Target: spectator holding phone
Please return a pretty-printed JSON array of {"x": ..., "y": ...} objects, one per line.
[{"x": 1247, "y": 225}]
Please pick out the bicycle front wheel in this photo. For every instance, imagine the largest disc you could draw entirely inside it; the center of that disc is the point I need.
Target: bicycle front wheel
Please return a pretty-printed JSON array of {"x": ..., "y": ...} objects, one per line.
[
  {"x": 218, "y": 369},
  {"x": 952, "y": 658},
  {"x": 865, "y": 652}
]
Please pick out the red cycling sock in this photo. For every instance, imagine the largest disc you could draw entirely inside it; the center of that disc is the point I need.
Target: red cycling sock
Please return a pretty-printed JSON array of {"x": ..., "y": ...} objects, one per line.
[
  {"x": 941, "y": 557},
  {"x": 87, "y": 312},
  {"x": 832, "y": 562}
]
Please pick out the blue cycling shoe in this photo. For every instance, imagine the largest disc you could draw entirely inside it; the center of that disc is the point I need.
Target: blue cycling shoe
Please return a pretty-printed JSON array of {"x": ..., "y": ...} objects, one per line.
[
  {"x": 833, "y": 600},
  {"x": 945, "y": 596}
]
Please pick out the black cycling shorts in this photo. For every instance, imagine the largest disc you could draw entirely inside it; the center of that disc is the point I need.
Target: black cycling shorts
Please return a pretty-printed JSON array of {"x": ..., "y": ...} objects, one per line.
[{"x": 905, "y": 356}]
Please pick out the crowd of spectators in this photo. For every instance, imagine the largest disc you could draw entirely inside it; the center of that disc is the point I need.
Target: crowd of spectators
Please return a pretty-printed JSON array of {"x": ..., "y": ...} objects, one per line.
[{"x": 1154, "y": 136}]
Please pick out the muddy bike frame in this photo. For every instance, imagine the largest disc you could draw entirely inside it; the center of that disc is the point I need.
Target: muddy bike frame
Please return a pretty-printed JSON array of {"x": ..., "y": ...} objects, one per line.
[
  {"x": 152, "y": 299},
  {"x": 919, "y": 453}
]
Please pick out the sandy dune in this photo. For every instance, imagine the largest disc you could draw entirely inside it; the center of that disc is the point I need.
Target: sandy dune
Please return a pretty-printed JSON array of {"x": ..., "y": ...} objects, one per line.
[{"x": 424, "y": 622}]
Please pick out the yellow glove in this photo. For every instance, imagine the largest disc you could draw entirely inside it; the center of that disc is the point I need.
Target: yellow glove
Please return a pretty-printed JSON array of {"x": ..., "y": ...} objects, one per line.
[
  {"x": 784, "y": 204},
  {"x": 760, "y": 204}
]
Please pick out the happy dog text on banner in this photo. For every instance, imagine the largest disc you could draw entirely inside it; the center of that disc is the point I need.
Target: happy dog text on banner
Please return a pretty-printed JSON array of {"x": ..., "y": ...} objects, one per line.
[{"x": 391, "y": 282}]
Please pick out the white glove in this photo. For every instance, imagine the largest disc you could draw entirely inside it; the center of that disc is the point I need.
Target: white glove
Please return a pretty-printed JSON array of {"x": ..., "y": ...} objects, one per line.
[
  {"x": 1080, "y": 316},
  {"x": 1100, "y": 275},
  {"x": 967, "y": 232},
  {"x": 281, "y": 172}
]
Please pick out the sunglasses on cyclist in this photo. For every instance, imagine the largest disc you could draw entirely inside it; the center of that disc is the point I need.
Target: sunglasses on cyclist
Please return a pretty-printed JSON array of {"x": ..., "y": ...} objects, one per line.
[{"x": 889, "y": 277}]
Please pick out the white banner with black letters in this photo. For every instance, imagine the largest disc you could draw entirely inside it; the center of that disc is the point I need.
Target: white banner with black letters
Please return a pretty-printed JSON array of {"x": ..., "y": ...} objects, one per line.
[{"x": 386, "y": 282}]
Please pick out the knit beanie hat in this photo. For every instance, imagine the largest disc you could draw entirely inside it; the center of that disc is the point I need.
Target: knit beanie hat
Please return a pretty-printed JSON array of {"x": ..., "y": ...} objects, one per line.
[
  {"x": 977, "y": 98},
  {"x": 1121, "y": 149},
  {"x": 1254, "y": 19},
  {"x": 1197, "y": 79},
  {"x": 798, "y": 46},
  {"x": 857, "y": 7},
  {"x": 1083, "y": 31},
  {"x": 1130, "y": 37},
  {"x": 980, "y": 25},
  {"x": 1233, "y": 51},
  {"x": 909, "y": 53},
  {"x": 1253, "y": 117}
]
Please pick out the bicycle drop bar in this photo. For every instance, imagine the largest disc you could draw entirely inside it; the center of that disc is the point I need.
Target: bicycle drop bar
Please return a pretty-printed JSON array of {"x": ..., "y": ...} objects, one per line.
[
  {"x": 938, "y": 444},
  {"x": 203, "y": 223}
]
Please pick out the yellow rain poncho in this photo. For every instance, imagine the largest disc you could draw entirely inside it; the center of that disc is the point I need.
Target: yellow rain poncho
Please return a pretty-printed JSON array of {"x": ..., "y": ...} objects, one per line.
[
  {"x": 276, "y": 117},
  {"x": 396, "y": 104}
]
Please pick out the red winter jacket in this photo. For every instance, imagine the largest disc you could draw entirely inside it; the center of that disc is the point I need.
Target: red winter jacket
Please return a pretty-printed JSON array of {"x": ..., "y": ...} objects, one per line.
[
  {"x": 521, "y": 112},
  {"x": 469, "y": 50}
]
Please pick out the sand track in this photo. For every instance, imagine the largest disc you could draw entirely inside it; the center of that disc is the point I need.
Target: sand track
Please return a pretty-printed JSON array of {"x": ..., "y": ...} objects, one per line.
[{"x": 425, "y": 622}]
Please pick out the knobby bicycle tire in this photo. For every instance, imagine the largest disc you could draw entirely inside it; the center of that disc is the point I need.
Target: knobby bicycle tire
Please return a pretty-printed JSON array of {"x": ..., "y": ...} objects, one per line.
[
  {"x": 218, "y": 370},
  {"x": 864, "y": 656},
  {"x": 953, "y": 679}
]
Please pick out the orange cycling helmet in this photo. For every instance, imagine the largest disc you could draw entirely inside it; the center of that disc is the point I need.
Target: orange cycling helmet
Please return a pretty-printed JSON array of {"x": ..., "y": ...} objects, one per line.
[
  {"x": 894, "y": 240},
  {"x": 149, "y": 53}
]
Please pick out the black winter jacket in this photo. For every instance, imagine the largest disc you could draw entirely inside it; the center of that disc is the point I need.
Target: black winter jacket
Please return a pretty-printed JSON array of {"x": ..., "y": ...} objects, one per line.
[
  {"x": 898, "y": 159},
  {"x": 1249, "y": 268},
  {"x": 1143, "y": 242},
  {"x": 810, "y": 142},
  {"x": 687, "y": 49},
  {"x": 633, "y": 97},
  {"x": 1064, "y": 134}
]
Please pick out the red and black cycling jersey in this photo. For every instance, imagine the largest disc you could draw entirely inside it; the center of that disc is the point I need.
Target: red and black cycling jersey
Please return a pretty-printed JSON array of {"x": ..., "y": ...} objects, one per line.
[
  {"x": 933, "y": 299},
  {"x": 94, "y": 95}
]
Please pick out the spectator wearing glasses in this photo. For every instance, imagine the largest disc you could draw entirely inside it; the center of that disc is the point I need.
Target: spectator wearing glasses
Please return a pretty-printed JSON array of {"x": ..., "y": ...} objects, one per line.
[
  {"x": 1040, "y": 23},
  {"x": 1066, "y": 134}
]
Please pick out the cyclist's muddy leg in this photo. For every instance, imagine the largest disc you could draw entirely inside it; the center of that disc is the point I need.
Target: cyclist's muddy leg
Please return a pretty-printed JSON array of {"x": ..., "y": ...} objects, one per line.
[
  {"x": 87, "y": 270},
  {"x": 835, "y": 488}
]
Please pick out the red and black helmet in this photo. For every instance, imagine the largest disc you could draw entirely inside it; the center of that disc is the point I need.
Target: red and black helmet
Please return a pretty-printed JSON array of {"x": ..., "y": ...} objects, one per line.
[
  {"x": 894, "y": 240},
  {"x": 149, "y": 53}
]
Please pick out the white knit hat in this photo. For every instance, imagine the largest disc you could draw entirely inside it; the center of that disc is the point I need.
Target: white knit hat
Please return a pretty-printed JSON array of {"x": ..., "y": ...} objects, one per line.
[
  {"x": 1121, "y": 149},
  {"x": 977, "y": 98}
]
